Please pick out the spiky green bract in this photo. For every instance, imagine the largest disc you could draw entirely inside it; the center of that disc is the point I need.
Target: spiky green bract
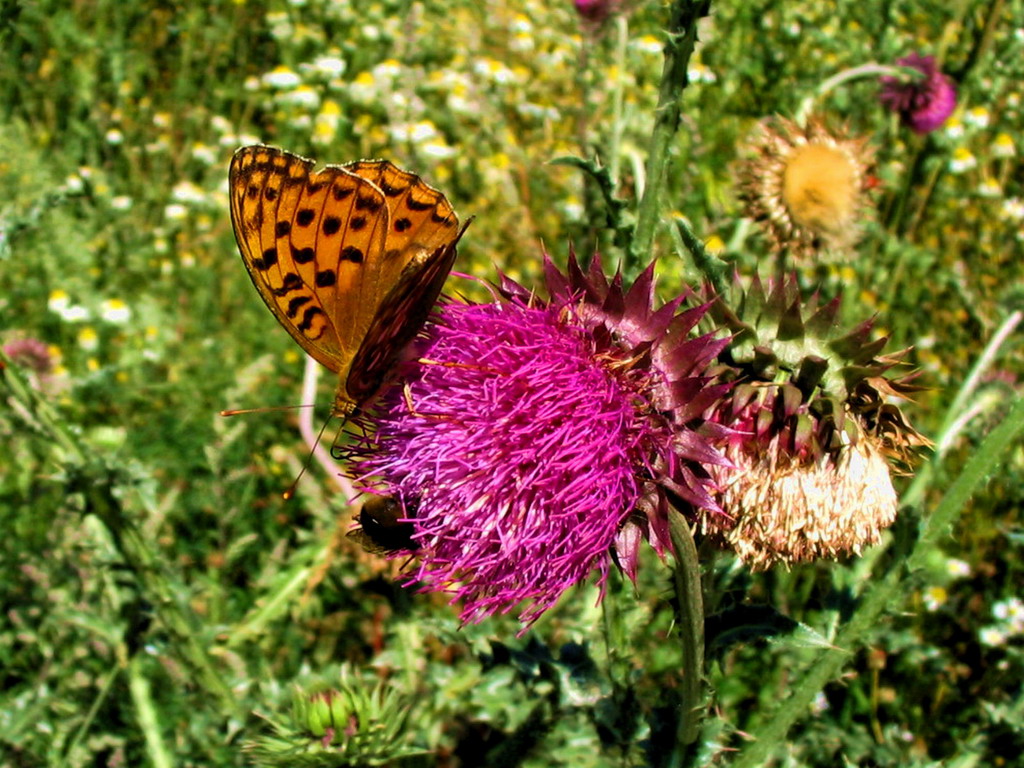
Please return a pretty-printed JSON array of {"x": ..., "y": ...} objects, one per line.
[
  {"x": 352, "y": 724},
  {"x": 535, "y": 438},
  {"x": 798, "y": 347},
  {"x": 812, "y": 427}
]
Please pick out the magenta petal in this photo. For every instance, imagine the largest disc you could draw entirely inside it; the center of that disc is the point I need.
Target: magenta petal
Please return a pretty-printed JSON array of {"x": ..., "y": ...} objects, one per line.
[{"x": 627, "y": 549}]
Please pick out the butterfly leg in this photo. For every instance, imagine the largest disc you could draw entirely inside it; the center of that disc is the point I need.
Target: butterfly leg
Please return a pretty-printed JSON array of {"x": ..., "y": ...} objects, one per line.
[{"x": 409, "y": 405}]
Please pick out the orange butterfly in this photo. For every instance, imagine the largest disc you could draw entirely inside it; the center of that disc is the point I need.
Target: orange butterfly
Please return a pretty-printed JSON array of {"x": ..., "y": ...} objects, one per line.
[{"x": 349, "y": 259}]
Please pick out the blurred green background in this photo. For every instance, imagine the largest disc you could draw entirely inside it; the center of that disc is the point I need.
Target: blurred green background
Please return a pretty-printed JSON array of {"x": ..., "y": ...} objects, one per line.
[{"x": 117, "y": 123}]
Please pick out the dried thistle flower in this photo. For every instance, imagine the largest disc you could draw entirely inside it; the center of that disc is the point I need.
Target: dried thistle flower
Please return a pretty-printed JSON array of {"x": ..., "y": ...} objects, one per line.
[
  {"x": 813, "y": 430},
  {"x": 807, "y": 186}
]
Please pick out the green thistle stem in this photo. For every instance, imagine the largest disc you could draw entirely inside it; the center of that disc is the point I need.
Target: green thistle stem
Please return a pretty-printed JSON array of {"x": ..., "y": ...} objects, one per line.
[
  {"x": 690, "y": 599},
  {"x": 679, "y": 45},
  {"x": 854, "y": 73},
  {"x": 947, "y": 432},
  {"x": 712, "y": 269},
  {"x": 885, "y": 592},
  {"x": 132, "y": 547},
  {"x": 923, "y": 200},
  {"x": 618, "y": 119},
  {"x": 982, "y": 44},
  {"x": 90, "y": 716},
  {"x": 279, "y": 598}
]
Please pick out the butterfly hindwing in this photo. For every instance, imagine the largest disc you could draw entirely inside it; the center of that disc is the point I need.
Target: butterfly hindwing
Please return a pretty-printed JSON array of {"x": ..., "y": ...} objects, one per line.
[{"x": 400, "y": 317}]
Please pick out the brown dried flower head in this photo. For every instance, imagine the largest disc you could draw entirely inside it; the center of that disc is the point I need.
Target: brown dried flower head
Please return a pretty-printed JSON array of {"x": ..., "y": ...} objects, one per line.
[{"x": 806, "y": 186}]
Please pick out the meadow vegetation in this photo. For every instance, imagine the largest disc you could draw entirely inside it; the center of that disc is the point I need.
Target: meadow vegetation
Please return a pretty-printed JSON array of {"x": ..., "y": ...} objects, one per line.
[{"x": 162, "y": 605}]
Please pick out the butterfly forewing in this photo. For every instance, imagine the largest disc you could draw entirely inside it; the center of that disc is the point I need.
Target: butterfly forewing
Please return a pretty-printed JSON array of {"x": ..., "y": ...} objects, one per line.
[
  {"x": 264, "y": 189},
  {"x": 339, "y": 256},
  {"x": 421, "y": 217},
  {"x": 341, "y": 221}
]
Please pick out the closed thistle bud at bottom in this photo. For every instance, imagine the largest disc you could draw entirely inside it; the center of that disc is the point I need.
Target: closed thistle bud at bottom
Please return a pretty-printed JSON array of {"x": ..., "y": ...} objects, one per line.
[{"x": 355, "y": 723}]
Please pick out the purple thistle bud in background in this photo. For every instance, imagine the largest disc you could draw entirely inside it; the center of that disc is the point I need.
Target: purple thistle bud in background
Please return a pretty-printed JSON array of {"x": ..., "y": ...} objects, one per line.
[
  {"x": 30, "y": 353},
  {"x": 595, "y": 11},
  {"x": 36, "y": 361},
  {"x": 923, "y": 104},
  {"x": 533, "y": 443}
]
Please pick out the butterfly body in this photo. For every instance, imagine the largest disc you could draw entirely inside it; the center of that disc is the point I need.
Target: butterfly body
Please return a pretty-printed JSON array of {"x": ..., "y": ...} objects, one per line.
[{"x": 350, "y": 259}]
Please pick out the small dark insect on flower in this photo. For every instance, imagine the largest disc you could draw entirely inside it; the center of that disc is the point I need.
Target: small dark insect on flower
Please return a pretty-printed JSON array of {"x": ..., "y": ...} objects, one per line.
[{"x": 384, "y": 527}]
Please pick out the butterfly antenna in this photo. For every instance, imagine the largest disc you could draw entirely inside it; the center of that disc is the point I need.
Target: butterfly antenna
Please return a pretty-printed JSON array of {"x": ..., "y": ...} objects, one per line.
[
  {"x": 290, "y": 493},
  {"x": 243, "y": 411}
]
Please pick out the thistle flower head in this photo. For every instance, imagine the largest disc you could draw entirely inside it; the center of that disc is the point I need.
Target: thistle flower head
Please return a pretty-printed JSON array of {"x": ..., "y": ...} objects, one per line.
[
  {"x": 806, "y": 186},
  {"x": 532, "y": 438},
  {"x": 31, "y": 354},
  {"x": 354, "y": 723},
  {"x": 813, "y": 429},
  {"x": 923, "y": 104},
  {"x": 595, "y": 12}
]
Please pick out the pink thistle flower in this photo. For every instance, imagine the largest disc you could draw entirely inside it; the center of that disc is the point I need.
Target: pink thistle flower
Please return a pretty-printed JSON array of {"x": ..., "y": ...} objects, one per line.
[
  {"x": 531, "y": 440},
  {"x": 923, "y": 104}
]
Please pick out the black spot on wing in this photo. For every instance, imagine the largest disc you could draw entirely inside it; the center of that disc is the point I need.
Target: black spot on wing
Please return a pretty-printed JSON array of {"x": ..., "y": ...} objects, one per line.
[
  {"x": 296, "y": 304},
  {"x": 305, "y": 217},
  {"x": 368, "y": 203},
  {"x": 307, "y": 318},
  {"x": 326, "y": 278},
  {"x": 303, "y": 255},
  {"x": 351, "y": 253},
  {"x": 419, "y": 205},
  {"x": 391, "y": 190},
  {"x": 331, "y": 225},
  {"x": 291, "y": 282},
  {"x": 266, "y": 261}
]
